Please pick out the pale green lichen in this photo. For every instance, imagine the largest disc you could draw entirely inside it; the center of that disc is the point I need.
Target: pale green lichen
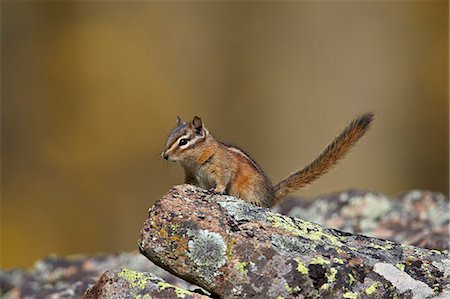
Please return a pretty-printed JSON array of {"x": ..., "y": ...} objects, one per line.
[
  {"x": 382, "y": 247},
  {"x": 338, "y": 260},
  {"x": 351, "y": 279},
  {"x": 136, "y": 279},
  {"x": 181, "y": 293},
  {"x": 350, "y": 295},
  {"x": 241, "y": 267},
  {"x": 207, "y": 249},
  {"x": 284, "y": 222},
  {"x": 370, "y": 290},
  {"x": 400, "y": 266},
  {"x": 318, "y": 260},
  {"x": 325, "y": 286},
  {"x": 291, "y": 290},
  {"x": 305, "y": 229},
  {"x": 331, "y": 277},
  {"x": 301, "y": 267},
  {"x": 427, "y": 270},
  {"x": 142, "y": 280}
]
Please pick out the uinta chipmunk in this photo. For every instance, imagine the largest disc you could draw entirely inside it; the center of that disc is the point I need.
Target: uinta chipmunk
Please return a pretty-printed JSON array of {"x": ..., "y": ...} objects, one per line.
[{"x": 211, "y": 164}]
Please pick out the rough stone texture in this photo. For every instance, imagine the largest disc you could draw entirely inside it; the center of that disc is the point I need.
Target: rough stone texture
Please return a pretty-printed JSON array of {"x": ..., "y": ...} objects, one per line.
[
  {"x": 132, "y": 284},
  {"x": 69, "y": 277},
  {"x": 234, "y": 249},
  {"x": 419, "y": 218}
]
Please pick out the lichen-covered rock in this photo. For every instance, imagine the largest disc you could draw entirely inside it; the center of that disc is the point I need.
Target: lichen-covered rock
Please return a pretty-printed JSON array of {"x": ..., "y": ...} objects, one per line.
[
  {"x": 127, "y": 283},
  {"x": 234, "y": 249},
  {"x": 69, "y": 277},
  {"x": 419, "y": 218}
]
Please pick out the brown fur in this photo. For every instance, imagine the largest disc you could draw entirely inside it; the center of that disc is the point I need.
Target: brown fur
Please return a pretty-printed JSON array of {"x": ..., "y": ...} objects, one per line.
[
  {"x": 327, "y": 159},
  {"x": 213, "y": 165}
]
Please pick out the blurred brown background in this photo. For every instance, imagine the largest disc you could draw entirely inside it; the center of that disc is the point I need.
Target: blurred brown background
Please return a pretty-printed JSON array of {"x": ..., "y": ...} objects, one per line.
[{"x": 91, "y": 89}]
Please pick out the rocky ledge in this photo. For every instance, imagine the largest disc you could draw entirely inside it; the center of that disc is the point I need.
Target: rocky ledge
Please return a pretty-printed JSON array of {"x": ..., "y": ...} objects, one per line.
[
  {"x": 232, "y": 249},
  {"x": 69, "y": 277}
]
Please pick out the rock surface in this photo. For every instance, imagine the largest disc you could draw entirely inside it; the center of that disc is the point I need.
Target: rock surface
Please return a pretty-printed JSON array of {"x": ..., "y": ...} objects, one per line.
[
  {"x": 132, "y": 284},
  {"x": 234, "y": 249},
  {"x": 69, "y": 277},
  {"x": 419, "y": 218}
]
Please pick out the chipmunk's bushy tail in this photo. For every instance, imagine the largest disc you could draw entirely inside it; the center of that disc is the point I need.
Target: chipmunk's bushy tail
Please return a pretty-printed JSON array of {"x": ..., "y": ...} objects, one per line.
[{"x": 327, "y": 159}]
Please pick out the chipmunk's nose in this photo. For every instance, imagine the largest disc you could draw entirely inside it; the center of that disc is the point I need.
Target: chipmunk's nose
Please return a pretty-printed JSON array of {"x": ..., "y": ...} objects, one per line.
[{"x": 165, "y": 156}]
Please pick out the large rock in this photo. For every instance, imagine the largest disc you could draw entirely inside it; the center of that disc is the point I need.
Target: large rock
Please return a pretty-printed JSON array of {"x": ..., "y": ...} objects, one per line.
[
  {"x": 234, "y": 249},
  {"x": 418, "y": 218}
]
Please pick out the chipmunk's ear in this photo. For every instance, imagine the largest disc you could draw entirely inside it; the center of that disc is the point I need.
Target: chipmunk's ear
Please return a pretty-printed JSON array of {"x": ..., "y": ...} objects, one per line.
[
  {"x": 198, "y": 125},
  {"x": 179, "y": 121}
]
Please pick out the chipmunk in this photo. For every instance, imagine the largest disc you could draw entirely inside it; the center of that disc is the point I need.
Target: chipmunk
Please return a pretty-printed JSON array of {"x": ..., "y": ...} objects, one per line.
[{"x": 211, "y": 164}]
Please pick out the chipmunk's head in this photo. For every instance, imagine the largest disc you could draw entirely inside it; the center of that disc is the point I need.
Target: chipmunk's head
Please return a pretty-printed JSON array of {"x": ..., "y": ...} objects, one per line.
[{"x": 185, "y": 141}]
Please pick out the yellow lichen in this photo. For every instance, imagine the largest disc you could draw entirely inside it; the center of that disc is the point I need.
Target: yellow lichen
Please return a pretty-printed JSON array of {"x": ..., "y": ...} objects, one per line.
[
  {"x": 229, "y": 251},
  {"x": 400, "y": 266},
  {"x": 331, "y": 277},
  {"x": 370, "y": 290},
  {"x": 319, "y": 261},
  {"x": 134, "y": 278},
  {"x": 174, "y": 227},
  {"x": 350, "y": 295},
  {"x": 142, "y": 280},
  {"x": 291, "y": 290},
  {"x": 241, "y": 267},
  {"x": 307, "y": 230},
  {"x": 178, "y": 291},
  {"x": 301, "y": 267}
]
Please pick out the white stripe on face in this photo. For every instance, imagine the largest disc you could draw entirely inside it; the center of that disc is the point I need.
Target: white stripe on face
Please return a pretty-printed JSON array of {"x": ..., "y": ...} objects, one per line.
[
  {"x": 185, "y": 145},
  {"x": 190, "y": 136}
]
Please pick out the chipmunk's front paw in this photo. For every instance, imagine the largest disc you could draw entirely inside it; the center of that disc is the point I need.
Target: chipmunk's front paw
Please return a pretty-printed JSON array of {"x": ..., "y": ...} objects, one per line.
[{"x": 219, "y": 190}]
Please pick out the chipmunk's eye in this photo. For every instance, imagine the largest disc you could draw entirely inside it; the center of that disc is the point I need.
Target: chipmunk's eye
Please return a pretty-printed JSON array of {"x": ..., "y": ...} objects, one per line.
[{"x": 183, "y": 141}]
